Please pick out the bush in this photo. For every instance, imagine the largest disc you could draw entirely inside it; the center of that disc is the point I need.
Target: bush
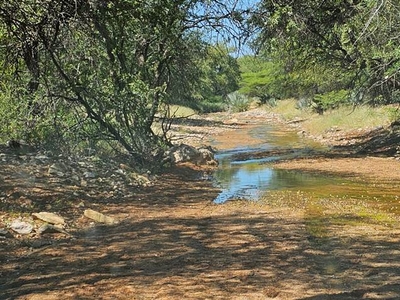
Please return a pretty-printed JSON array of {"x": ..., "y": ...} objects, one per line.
[
  {"x": 237, "y": 102},
  {"x": 10, "y": 116},
  {"x": 394, "y": 114},
  {"x": 329, "y": 100},
  {"x": 210, "y": 107}
]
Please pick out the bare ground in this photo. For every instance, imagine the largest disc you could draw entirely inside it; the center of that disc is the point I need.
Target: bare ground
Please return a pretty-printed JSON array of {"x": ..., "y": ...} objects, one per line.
[{"x": 172, "y": 242}]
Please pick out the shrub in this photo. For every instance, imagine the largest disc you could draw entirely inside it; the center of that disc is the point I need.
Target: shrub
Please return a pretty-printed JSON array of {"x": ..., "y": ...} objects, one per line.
[
  {"x": 329, "y": 100},
  {"x": 237, "y": 102},
  {"x": 394, "y": 114}
]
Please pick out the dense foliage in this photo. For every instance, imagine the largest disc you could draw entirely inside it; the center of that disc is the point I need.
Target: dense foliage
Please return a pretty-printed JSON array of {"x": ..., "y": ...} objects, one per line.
[
  {"x": 216, "y": 74},
  {"x": 80, "y": 73},
  {"x": 348, "y": 45}
]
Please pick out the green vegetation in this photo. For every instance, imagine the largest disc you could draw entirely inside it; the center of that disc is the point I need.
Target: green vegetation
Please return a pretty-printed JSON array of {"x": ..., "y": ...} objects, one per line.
[
  {"x": 331, "y": 54},
  {"x": 180, "y": 111},
  {"x": 289, "y": 110},
  {"x": 237, "y": 102},
  {"x": 329, "y": 100},
  {"x": 217, "y": 75},
  {"x": 267, "y": 80},
  {"x": 96, "y": 74}
]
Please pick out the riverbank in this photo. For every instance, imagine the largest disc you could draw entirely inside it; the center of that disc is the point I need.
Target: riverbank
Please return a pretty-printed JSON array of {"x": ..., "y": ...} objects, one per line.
[
  {"x": 168, "y": 240},
  {"x": 362, "y": 142},
  {"x": 360, "y": 130},
  {"x": 369, "y": 152}
]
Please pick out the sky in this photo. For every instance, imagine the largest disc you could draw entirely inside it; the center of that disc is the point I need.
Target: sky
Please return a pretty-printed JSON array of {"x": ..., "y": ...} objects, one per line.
[{"x": 232, "y": 36}]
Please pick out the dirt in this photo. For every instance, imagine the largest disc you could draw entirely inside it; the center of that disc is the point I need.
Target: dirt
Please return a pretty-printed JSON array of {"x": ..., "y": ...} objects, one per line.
[
  {"x": 364, "y": 167},
  {"x": 172, "y": 242}
]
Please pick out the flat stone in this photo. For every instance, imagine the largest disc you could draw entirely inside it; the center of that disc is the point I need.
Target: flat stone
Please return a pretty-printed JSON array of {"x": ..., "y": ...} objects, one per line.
[
  {"x": 49, "y": 217},
  {"x": 42, "y": 158},
  {"x": 233, "y": 121},
  {"x": 21, "y": 227},
  {"x": 98, "y": 217}
]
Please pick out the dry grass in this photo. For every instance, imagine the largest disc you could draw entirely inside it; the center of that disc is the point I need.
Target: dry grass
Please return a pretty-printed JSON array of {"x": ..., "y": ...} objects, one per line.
[
  {"x": 288, "y": 110},
  {"x": 348, "y": 118},
  {"x": 180, "y": 111},
  {"x": 343, "y": 118}
]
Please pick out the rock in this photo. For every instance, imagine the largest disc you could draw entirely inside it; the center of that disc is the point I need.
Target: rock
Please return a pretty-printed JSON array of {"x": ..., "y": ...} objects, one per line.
[
  {"x": 333, "y": 129},
  {"x": 183, "y": 153},
  {"x": 233, "y": 121},
  {"x": 98, "y": 217},
  {"x": 4, "y": 232},
  {"x": 80, "y": 204},
  {"x": 36, "y": 244},
  {"x": 49, "y": 217},
  {"x": 75, "y": 178},
  {"x": 186, "y": 153},
  {"x": 42, "y": 158},
  {"x": 301, "y": 133},
  {"x": 120, "y": 171},
  {"x": 207, "y": 156},
  {"x": 49, "y": 228},
  {"x": 89, "y": 175},
  {"x": 125, "y": 167},
  {"x": 21, "y": 227},
  {"x": 141, "y": 179},
  {"x": 57, "y": 169}
]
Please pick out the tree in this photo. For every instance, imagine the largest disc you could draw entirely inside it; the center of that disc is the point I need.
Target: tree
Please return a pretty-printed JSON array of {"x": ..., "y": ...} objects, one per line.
[
  {"x": 262, "y": 78},
  {"x": 356, "y": 37},
  {"x": 210, "y": 76},
  {"x": 219, "y": 74},
  {"x": 100, "y": 69}
]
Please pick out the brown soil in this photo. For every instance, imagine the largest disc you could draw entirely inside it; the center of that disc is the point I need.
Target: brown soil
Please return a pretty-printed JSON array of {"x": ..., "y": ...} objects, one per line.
[
  {"x": 365, "y": 167},
  {"x": 172, "y": 242}
]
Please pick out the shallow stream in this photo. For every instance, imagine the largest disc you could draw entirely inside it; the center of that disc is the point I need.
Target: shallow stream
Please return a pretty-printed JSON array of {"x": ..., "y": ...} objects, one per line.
[{"x": 246, "y": 172}]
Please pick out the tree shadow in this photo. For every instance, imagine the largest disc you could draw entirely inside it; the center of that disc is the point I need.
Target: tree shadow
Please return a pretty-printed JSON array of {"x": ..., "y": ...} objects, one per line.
[
  {"x": 381, "y": 141},
  {"x": 385, "y": 291},
  {"x": 206, "y": 257},
  {"x": 196, "y": 122},
  {"x": 165, "y": 255}
]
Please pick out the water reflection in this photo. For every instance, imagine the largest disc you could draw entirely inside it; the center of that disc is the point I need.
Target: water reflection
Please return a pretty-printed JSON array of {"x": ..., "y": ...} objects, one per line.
[
  {"x": 249, "y": 178},
  {"x": 245, "y": 173},
  {"x": 242, "y": 181}
]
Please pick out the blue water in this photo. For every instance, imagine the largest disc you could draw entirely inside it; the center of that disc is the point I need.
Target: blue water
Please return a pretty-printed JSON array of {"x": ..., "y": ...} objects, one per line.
[{"x": 246, "y": 177}]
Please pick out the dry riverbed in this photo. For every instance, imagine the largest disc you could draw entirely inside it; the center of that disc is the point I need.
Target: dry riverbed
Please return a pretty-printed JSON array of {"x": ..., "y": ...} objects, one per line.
[{"x": 170, "y": 241}]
